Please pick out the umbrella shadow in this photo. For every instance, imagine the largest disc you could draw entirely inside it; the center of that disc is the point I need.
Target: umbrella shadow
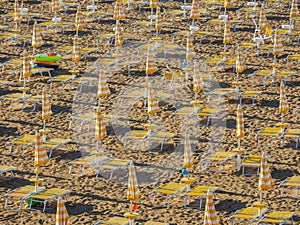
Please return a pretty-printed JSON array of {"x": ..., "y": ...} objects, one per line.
[
  {"x": 230, "y": 205},
  {"x": 282, "y": 174}
]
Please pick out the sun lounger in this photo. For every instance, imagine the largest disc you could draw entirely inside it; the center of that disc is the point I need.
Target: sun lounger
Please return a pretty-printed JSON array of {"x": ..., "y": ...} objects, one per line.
[
  {"x": 32, "y": 100},
  {"x": 7, "y": 170},
  {"x": 168, "y": 191},
  {"x": 297, "y": 113},
  {"x": 13, "y": 63},
  {"x": 291, "y": 134},
  {"x": 220, "y": 92},
  {"x": 136, "y": 136},
  {"x": 110, "y": 166},
  {"x": 21, "y": 142},
  {"x": 23, "y": 38},
  {"x": 276, "y": 217},
  {"x": 252, "y": 161},
  {"x": 159, "y": 137},
  {"x": 198, "y": 193},
  {"x": 268, "y": 133},
  {"x": 5, "y": 82},
  {"x": 246, "y": 215},
  {"x": 282, "y": 75},
  {"x": 46, "y": 196},
  {"x": 55, "y": 143},
  {"x": 249, "y": 94},
  {"x": 291, "y": 183},
  {"x": 215, "y": 61},
  {"x": 133, "y": 96},
  {"x": 82, "y": 81},
  {"x": 207, "y": 113},
  {"x": 155, "y": 223},
  {"x": 262, "y": 74},
  {"x": 42, "y": 70},
  {"x": 61, "y": 79},
  {"x": 185, "y": 112},
  {"x": 20, "y": 194},
  {"x": 292, "y": 58},
  {"x": 216, "y": 160},
  {"x": 114, "y": 221},
  {"x": 82, "y": 119}
]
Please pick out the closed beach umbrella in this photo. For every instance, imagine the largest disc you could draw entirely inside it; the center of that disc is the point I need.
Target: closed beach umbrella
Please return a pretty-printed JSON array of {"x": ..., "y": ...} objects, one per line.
[
  {"x": 119, "y": 13},
  {"x": 262, "y": 22},
  {"x": 133, "y": 192},
  {"x": 118, "y": 35},
  {"x": 239, "y": 63},
  {"x": 153, "y": 4},
  {"x": 158, "y": 22},
  {"x": 46, "y": 107},
  {"x": 195, "y": 11},
  {"x": 198, "y": 83},
  {"x": 103, "y": 89},
  {"x": 150, "y": 63},
  {"x": 283, "y": 103},
  {"x": 265, "y": 179},
  {"x": 17, "y": 13},
  {"x": 152, "y": 102},
  {"x": 240, "y": 130},
  {"x": 26, "y": 66},
  {"x": 79, "y": 20},
  {"x": 210, "y": 216},
  {"x": 76, "y": 49},
  {"x": 227, "y": 39},
  {"x": 278, "y": 47},
  {"x": 190, "y": 53},
  {"x": 55, "y": 6},
  {"x": 100, "y": 129},
  {"x": 37, "y": 40},
  {"x": 227, "y": 5},
  {"x": 188, "y": 154},
  {"x": 62, "y": 217},
  {"x": 294, "y": 13}
]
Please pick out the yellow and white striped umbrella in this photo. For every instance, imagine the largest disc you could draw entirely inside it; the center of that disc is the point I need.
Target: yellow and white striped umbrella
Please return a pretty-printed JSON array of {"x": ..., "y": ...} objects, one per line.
[
  {"x": 227, "y": 4},
  {"x": 158, "y": 22},
  {"x": 55, "y": 6},
  {"x": 150, "y": 63},
  {"x": 152, "y": 102},
  {"x": 240, "y": 130},
  {"x": 197, "y": 79},
  {"x": 46, "y": 105},
  {"x": 195, "y": 11},
  {"x": 17, "y": 12},
  {"x": 278, "y": 47},
  {"x": 227, "y": 33},
  {"x": 26, "y": 66},
  {"x": 79, "y": 20},
  {"x": 40, "y": 154},
  {"x": 62, "y": 217},
  {"x": 37, "y": 40},
  {"x": 153, "y": 4},
  {"x": 240, "y": 62},
  {"x": 100, "y": 129},
  {"x": 294, "y": 13},
  {"x": 118, "y": 35},
  {"x": 76, "y": 49},
  {"x": 133, "y": 192},
  {"x": 210, "y": 216},
  {"x": 188, "y": 154},
  {"x": 119, "y": 13},
  {"x": 103, "y": 89},
  {"x": 265, "y": 181},
  {"x": 190, "y": 53},
  {"x": 262, "y": 22},
  {"x": 283, "y": 103}
]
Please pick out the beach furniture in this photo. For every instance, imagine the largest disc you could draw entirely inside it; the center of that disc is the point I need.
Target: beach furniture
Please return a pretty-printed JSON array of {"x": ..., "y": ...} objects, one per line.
[
  {"x": 246, "y": 215},
  {"x": 220, "y": 92},
  {"x": 110, "y": 166},
  {"x": 282, "y": 75},
  {"x": 185, "y": 112},
  {"x": 82, "y": 81},
  {"x": 292, "y": 184},
  {"x": 13, "y": 97},
  {"x": 62, "y": 80},
  {"x": 276, "y": 217},
  {"x": 46, "y": 196},
  {"x": 136, "y": 136},
  {"x": 268, "y": 133},
  {"x": 262, "y": 74},
  {"x": 21, "y": 142},
  {"x": 168, "y": 191},
  {"x": 5, "y": 82},
  {"x": 292, "y": 58},
  {"x": 55, "y": 143},
  {"x": 155, "y": 223},
  {"x": 19, "y": 195},
  {"x": 33, "y": 100},
  {"x": 214, "y": 161},
  {"x": 251, "y": 161},
  {"x": 291, "y": 134},
  {"x": 249, "y": 94},
  {"x": 82, "y": 119},
  {"x": 12, "y": 63},
  {"x": 207, "y": 113},
  {"x": 22, "y": 38},
  {"x": 7, "y": 170},
  {"x": 198, "y": 193},
  {"x": 159, "y": 137},
  {"x": 297, "y": 113},
  {"x": 114, "y": 221}
]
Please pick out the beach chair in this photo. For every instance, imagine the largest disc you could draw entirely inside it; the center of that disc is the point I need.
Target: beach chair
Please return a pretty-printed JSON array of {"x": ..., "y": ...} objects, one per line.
[
  {"x": 86, "y": 51},
  {"x": 297, "y": 113},
  {"x": 175, "y": 76},
  {"x": 42, "y": 70},
  {"x": 282, "y": 75},
  {"x": 21, "y": 142},
  {"x": 276, "y": 217},
  {"x": 185, "y": 112},
  {"x": 13, "y": 63},
  {"x": 292, "y": 184},
  {"x": 81, "y": 119},
  {"x": 110, "y": 166},
  {"x": 291, "y": 134},
  {"x": 214, "y": 161},
  {"x": 206, "y": 113},
  {"x": 198, "y": 193},
  {"x": 133, "y": 96},
  {"x": 249, "y": 94},
  {"x": 261, "y": 74},
  {"x": 246, "y": 215},
  {"x": 55, "y": 143},
  {"x": 168, "y": 191},
  {"x": 214, "y": 62},
  {"x": 82, "y": 81},
  {"x": 136, "y": 136},
  {"x": 20, "y": 194},
  {"x": 155, "y": 223},
  {"x": 33, "y": 100},
  {"x": 22, "y": 38},
  {"x": 160, "y": 137},
  {"x": 46, "y": 196},
  {"x": 220, "y": 92},
  {"x": 5, "y": 82},
  {"x": 268, "y": 133},
  {"x": 252, "y": 161},
  {"x": 292, "y": 58},
  {"x": 114, "y": 221},
  {"x": 4, "y": 170},
  {"x": 62, "y": 80}
]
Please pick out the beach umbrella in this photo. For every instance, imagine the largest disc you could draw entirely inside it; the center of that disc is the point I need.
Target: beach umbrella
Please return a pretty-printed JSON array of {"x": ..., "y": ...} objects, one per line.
[
  {"x": 283, "y": 103},
  {"x": 262, "y": 22},
  {"x": 40, "y": 156},
  {"x": 158, "y": 22},
  {"x": 103, "y": 89},
  {"x": 118, "y": 35},
  {"x": 133, "y": 192},
  {"x": 278, "y": 47},
  {"x": 150, "y": 63},
  {"x": 240, "y": 130},
  {"x": 119, "y": 13},
  {"x": 265, "y": 179},
  {"x": 153, "y": 4},
  {"x": 26, "y": 67},
  {"x": 62, "y": 217},
  {"x": 198, "y": 83},
  {"x": 152, "y": 102},
  {"x": 227, "y": 34},
  {"x": 17, "y": 13},
  {"x": 195, "y": 11},
  {"x": 100, "y": 129},
  {"x": 210, "y": 216},
  {"x": 46, "y": 107},
  {"x": 227, "y": 5},
  {"x": 294, "y": 13},
  {"x": 239, "y": 63},
  {"x": 188, "y": 154},
  {"x": 55, "y": 7},
  {"x": 190, "y": 53},
  {"x": 76, "y": 50},
  {"x": 79, "y": 20},
  {"x": 37, "y": 40}
]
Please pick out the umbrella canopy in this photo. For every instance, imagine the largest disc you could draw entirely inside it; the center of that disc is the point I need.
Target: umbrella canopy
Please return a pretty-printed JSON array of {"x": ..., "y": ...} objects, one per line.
[
  {"x": 76, "y": 49},
  {"x": 37, "y": 40},
  {"x": 17, "y": 12},
  {"x": 265, "y": 179},
  {"x": 294, "y": 10},
  {"x": 240, "y": 131},
  {"x": 153, "y": 4},
  {"x": 150, "y": 63},
  {"x": 283, "y": 103},
  {"x": 103, "y": 89},
  {"x": 118, "y": 35},
  {"x": 40, "y": 154},
  {"x": 158, "y": 22},
  {"x": 227, "y": 33},
  {"x": 195, "y": 11},
  {"x": 210, "y": 216},
  {"x": 100, "y": 129},
  {"x": 227, "y": 4},
  {"x": 46, "y": 106},
  {"x": 55, "y": 6},
  {"x": 152, "y": 102},
  {"x": 119, "y": 13},
  {"x": 278, "y": 47},
  {"x": 262, "y": 22},
  {"x": 79, "y": 20},
  {"x": 240, "y": 62},
  {"x": 197, "y": 79},
  {"x": 62, "y": 217},
  {"x": 190, "y": 53},
  {"x": 188, "y": 154},
  {"x": 133, "y": 191},
  {"x": 26, "y": 66}
]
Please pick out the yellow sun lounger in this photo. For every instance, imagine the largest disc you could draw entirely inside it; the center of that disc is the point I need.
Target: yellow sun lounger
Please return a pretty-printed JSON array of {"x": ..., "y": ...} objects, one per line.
[
  {"x": 292, "y": 58},
  {"x": 13, "y": 97},
  {"x": 220, "y": 92},
  {"x": 5, "y": 82},
  {"x": 13, "y": 63},
  {"x": 276, "y": 217},
  {"x": 291, "y": 183},
  {"x": 7, "y": 170},
  {"x": 297, "y": 113},
  {"x": 82, "y": 119},
  {"x": 216, "y": 160},
  {"x": 168, "y": 191},
  {"x": 268, "y": 133},
  {"x": 291, "y": 134},
  {"x": 252, "y": 161},
  {"x": 61, "y": 79},
  {"x": 54, "y": 143},
  {"x": 21, "y": 142},
  {"x": 35, "y": 99},
  {"x": 155, "y": 223},
  {"x": 159, "y": 137},
  {"x": 185, "y": 112},
  {"x": 20, "y": 194},
  {"x": 198, "y": 193},
  {"x": 46, "y": 196},
  {"x": 282, "y": 75},
  {"x": 246, "y": 215},
  {"x": 207, "y": 113},
  {"x": 136, "y": 136},
  {"x": 262, "y": 74},
  {"x": 133, "y": 96},
  {"x": 110, "y": 166},
  {"x": 114, "y": 221},
  {"x": 249, "y": 94},
  {"x": 82, "y": 81}
]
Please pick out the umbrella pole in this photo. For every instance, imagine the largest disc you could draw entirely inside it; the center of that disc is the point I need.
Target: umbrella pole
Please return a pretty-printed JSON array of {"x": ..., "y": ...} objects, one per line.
[
  {"x": 224, "y": 47},
  {"x": 151, "y": 20},
  {"x": 282, "y": 118},
  {"x": 130, "y": 206},
  {"x": 260, "y": 196},
  {"x": 239, "y": 143},
  {"x": 184, "y": 12},
  {"x": 237, "y": 76},
  {"x": 36, "y": 178},
  {"x": 44, "y": 124}
]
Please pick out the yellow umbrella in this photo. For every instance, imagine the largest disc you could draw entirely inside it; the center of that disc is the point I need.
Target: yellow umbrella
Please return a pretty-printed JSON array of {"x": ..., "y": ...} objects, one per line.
[
  {"x": 119, "y": 13},
  {"x": 239, "y": 63},
  {"x": 197, "y": 80},
  {"x": 227, "y": 35},
  {"x": 158, "y": 23},
  {"x": 133, "y": 192},
  {"x": 79, "y": 20},
  {"x": 153, "y": 4},
  {"x": 26, "y": 67},
  {"x": 76, "y": 50},
  {"x": 188, "y": 154},
  {"x": 262, "y": 22},
  {"x": 152, "y": 102},
  {"x": 150, "y": 63},
  {"x": 118, "y": 35},
  {"x": 283, "y": 103},
  {"x": 55, "y": 6},
  {"x": 46, "y": 107},
  {"x": 17, "y": 13},
  {"x": 62, "y": 217},
  {"x": 294, "y": 13},
  {"x": 100, "y": 129},
  {"x": 278, "y": 47},
  {"x": 227, "y": 5},
  {"x": 210, "y": 216},
  {"x": 103, "y": 89},
  {"x": 265, "y": 179},
  {"x": 37, "y": 40},
  {"x": 190, "y": 53},
  {"x": 195, "y": 11}
]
